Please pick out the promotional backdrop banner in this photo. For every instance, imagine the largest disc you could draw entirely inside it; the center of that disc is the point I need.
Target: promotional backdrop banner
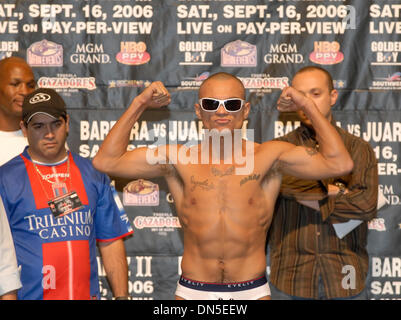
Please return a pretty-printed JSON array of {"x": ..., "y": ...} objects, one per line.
[{"x": 100, "y": 54}]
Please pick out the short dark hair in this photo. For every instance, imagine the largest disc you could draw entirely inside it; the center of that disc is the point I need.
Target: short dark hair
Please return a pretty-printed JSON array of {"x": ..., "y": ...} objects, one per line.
[{"x": 314, "y": 68}]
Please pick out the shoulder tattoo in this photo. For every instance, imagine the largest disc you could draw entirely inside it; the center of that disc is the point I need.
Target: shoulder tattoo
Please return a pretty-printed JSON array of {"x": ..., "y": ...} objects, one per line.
[
  {"x": 251, "y": 177},
  {"x": 168, "y": 170}
]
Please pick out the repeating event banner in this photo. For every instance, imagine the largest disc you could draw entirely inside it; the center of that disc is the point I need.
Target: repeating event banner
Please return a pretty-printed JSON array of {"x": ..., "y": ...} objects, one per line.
[{"x": 100, "y": 54}]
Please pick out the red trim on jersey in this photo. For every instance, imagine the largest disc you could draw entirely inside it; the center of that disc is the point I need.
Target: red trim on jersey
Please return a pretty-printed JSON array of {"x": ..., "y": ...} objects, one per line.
[
  {"x": 37, "y": 185},
  {"x": 114, "y": 239},
  {"x": 66, "y": 270}
]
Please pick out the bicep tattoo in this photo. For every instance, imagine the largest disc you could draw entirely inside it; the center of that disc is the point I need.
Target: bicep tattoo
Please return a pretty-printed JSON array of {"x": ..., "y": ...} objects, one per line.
[{"x": 311, "y": 151}]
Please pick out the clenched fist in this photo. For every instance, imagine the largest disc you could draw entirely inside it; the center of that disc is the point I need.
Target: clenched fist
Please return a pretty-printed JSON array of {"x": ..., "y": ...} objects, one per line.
[
  {"x": 292, "y": 100},
  {"x": 155, "y": 95}
]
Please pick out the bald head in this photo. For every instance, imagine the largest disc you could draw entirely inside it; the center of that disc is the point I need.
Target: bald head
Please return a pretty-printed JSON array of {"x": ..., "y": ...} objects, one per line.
[
  {"x": 329, "y": 79},
  {"x": 16, "y": 81},
  {"x": 12, "y": 61},
  {"x": 220, "y": 77}
]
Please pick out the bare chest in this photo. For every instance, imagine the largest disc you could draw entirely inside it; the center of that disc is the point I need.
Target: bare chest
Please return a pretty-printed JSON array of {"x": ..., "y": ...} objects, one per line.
[{"x": 218, "y": 190}]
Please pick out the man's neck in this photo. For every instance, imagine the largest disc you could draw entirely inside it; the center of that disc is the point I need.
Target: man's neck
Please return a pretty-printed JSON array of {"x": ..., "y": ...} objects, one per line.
[
  {"x": 8, "y": 123},
  {"x": 226, "y": 149},
  {"x": 48, "y": 160}
]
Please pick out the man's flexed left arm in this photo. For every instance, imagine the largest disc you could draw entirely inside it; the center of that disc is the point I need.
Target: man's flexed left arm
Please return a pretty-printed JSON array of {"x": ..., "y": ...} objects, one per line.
[{"x": 330, "y": 160}]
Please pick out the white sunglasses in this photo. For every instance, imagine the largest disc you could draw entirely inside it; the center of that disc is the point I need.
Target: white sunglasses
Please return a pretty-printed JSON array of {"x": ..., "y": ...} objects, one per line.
[{"x": 230, "y": 105}]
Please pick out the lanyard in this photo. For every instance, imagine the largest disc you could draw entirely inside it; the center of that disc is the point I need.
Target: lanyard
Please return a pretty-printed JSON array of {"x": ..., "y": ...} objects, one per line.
[{"x": 56, "y": 185}]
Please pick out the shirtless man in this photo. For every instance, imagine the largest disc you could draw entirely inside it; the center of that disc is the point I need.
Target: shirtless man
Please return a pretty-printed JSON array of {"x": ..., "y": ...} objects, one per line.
[{"x": 225, "y": 216}]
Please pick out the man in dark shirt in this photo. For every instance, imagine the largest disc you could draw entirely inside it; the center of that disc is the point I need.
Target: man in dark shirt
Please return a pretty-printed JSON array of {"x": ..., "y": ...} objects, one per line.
[{"x": 312, "y": 257}]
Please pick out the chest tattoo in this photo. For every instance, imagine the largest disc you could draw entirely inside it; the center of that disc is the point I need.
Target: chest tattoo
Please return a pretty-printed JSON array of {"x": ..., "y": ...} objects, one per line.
[
  {"x": 204, "y": 185},
  {"x": 220, "y": 173}
]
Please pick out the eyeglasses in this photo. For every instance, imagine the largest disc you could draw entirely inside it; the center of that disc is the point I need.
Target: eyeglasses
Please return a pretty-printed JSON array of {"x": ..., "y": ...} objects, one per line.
[{"x": 212, "y": 104}]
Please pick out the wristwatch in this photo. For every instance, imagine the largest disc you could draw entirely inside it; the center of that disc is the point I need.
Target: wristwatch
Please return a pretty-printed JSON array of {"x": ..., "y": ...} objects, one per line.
[{"x": 341, "y": 186}]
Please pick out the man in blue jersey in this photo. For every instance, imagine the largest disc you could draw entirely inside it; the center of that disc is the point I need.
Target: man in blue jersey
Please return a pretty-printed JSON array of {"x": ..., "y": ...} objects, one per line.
[
  {"x": 59, "y": 207},
  {"x": 16, "y": 81}
]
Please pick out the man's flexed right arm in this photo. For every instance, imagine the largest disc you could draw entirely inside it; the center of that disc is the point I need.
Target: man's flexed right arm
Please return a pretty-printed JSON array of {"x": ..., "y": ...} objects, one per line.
[{"x": 113, "y": 157}]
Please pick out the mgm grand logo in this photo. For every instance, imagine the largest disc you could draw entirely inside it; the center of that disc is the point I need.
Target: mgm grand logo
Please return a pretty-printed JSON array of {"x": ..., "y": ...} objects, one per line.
[{"x": 141, "y": 193}]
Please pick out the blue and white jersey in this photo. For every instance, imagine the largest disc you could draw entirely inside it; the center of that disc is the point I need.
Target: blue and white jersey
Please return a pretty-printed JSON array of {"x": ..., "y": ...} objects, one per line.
[{"x": 57, "y": 256}]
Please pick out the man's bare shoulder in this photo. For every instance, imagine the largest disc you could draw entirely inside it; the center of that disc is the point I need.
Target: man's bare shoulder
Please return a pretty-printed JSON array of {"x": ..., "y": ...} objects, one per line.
[
  {"x": 273, "y": 148},
  {"x": 164, "y": 157},
  {"x": 269, "y": 153}
]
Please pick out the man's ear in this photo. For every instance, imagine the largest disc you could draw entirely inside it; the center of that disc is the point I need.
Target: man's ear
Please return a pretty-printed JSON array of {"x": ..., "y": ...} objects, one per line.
[
  {"x": 198, "y": 111},
  {"x": 333, "y": 97},
  {"x": 247, "y": 109},
  {"x": 67, "y": 123}
]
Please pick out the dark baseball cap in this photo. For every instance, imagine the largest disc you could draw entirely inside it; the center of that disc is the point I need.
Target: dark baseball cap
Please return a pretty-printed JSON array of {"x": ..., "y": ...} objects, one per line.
[{"x": 43, "y": 100}]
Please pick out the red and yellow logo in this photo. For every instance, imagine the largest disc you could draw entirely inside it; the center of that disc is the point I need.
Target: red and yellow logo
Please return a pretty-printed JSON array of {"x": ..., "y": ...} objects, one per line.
[
  {"x": 133, "y": 53},
  {"x": 326, "y": 52}
]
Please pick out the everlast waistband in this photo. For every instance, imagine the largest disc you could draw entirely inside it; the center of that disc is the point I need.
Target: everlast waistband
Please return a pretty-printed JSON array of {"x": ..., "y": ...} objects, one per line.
[{"x": 223, "y": 287}]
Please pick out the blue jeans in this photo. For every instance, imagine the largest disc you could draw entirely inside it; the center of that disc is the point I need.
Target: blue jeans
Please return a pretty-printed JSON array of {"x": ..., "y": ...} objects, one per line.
[{"x": 276, "y": 294}]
